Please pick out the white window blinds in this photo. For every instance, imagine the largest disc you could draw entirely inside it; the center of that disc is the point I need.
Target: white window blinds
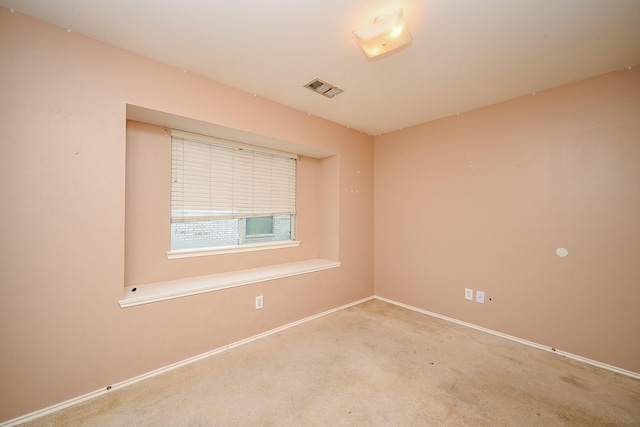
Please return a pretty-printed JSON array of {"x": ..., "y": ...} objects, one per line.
[{"x": 214, "y": 179}]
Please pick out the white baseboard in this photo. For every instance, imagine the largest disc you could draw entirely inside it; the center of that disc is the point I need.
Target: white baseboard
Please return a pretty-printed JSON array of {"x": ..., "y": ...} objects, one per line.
[
  {"x": 516, "y": 339},
  {"x": 59, "y": 406}
]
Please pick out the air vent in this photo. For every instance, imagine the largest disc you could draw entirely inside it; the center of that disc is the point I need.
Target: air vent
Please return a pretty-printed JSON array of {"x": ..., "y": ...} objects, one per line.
[{"x": 323, "y": 88}]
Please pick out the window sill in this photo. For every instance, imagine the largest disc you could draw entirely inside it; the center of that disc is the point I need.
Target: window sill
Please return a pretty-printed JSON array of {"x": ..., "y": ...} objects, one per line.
[
  {"x": 162, "y": 291},
  {"x": 189, "y": 253}
]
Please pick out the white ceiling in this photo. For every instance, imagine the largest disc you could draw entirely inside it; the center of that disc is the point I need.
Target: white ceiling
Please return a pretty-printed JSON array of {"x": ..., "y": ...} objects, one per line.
[{"x": 465, "y": 53}]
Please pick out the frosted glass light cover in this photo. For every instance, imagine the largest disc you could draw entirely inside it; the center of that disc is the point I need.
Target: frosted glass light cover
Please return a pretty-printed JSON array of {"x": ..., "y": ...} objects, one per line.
[{"x": 388, "y": 33}]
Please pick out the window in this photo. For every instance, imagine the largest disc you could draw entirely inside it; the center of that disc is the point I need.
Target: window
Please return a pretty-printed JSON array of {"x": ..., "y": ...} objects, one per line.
[{"x": 226, "y": 194}]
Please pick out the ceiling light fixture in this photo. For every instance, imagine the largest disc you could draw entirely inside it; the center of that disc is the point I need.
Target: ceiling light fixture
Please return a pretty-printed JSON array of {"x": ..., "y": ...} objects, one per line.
[{"x": 386, "y": 34}]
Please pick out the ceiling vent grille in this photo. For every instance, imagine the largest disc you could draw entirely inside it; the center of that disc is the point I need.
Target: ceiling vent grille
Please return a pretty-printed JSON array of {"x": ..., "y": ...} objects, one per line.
[{"x": 323, "y": 88}]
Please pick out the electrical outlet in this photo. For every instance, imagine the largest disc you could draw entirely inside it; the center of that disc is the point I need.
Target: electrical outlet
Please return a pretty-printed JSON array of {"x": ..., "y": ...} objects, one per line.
[
  {"x": 480, "y": 297},
  {"x": 259, "y": 302},
  {"x": 468, "y": 294}
]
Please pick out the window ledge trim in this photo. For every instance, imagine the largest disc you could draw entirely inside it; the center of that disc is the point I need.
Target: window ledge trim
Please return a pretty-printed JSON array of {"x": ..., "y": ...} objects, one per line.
[
  {"x": 250, "y": 247},
  {"x": 161, "y": 291}
]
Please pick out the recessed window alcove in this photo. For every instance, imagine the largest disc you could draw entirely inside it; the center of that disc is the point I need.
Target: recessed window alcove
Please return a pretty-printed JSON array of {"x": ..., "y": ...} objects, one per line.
[{"x": 150, "y": 275}]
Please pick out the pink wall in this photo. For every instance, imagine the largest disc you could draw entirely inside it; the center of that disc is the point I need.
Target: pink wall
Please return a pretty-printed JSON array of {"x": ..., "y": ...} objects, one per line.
[
  {"x": 63, "y": 107},
  {"x": 482, "y": 200}
]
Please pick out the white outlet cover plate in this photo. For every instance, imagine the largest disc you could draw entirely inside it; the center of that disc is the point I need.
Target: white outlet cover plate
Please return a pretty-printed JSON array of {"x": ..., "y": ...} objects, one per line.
[
  {"x": 480, "y": 297},
  {"x": 468, "y": 293}
]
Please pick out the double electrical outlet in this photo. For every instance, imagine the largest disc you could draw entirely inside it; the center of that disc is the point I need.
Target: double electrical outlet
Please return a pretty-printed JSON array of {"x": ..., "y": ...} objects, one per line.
[
  {"x": 259, "y": 302},
  {"x": 468, "y": 294}
]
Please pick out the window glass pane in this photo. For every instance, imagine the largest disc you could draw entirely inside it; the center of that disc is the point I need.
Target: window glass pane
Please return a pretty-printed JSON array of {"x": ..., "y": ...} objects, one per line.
[
  {"x": 280, "y": 229},
  {"x": 259, "y": 225},
  {"x": 227, "y": 232},
  {"x": 204, "y": 234}
]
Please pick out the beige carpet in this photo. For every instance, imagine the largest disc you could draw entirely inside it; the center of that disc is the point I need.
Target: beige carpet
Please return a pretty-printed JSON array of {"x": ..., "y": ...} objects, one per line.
[{"x": 371, "y": 365}]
